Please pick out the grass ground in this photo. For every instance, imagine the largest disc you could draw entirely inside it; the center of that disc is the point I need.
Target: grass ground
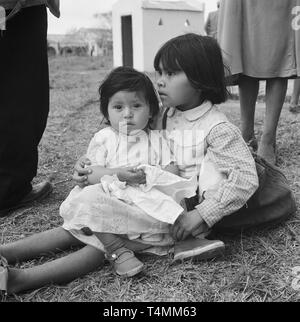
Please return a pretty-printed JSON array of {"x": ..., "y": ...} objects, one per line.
[{"x": 258, "y": 265}]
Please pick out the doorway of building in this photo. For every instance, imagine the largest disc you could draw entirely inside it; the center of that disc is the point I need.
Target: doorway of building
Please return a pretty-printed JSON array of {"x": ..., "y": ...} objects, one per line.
[{"x": 127, "y": 47}]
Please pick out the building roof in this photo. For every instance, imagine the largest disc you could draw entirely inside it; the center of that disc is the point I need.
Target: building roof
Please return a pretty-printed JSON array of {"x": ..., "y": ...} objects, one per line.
[{"x": 188, "y": 5}]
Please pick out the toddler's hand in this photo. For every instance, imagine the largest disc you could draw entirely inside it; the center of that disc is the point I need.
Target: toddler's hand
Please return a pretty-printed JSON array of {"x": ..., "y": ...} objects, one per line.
[
  {"x": 132, "y": 176},
  {"x": 81, "y": 172}
]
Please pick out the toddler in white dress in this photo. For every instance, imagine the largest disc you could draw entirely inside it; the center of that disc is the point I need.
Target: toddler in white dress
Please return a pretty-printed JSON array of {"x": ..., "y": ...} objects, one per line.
[{"x": 133, "y": 189}]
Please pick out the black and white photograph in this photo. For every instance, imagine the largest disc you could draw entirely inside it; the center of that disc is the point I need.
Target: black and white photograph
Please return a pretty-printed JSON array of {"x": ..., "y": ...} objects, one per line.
[{"x": 149, "y": 154}]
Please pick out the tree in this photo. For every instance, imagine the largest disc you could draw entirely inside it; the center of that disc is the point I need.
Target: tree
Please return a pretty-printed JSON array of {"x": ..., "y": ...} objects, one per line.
[{"x": 104, "y": 20}]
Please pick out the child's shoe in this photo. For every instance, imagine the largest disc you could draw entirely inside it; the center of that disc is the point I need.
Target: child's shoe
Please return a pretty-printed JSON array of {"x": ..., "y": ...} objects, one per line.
[
  {"x": 198, "y": 249},
  {"x": 3, "y": 274},
  {"x": 125, "y": 263}
]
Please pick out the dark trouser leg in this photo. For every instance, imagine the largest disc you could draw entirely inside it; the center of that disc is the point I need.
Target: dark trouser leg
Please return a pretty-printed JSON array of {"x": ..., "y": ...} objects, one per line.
[{"x": 24, "y": 101}]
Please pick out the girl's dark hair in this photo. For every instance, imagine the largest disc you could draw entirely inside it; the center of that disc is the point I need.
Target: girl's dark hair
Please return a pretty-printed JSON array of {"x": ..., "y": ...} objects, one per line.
[
  {"x": 200, "y": 58},
  {"x": 131, "y": 80}
]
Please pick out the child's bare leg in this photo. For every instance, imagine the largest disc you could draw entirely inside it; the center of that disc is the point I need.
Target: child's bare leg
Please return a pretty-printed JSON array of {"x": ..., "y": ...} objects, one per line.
[
  {"x": 31, "y": 247},
  {"x": 117, "y": 241},
  {"x": 61, "y": 270},
  {"x": 135, "y": 246},
  {"x": 110, "y": 242}
]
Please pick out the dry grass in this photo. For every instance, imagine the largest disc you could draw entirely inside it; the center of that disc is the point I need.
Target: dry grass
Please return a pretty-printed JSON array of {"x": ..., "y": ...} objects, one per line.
[{"x": 257, "y": 266}]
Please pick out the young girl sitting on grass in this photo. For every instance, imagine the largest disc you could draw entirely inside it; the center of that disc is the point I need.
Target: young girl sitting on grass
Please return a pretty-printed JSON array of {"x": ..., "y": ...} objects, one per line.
[
  {"x": 130, "y": 194},
  {"x": 191, "y": 82}
]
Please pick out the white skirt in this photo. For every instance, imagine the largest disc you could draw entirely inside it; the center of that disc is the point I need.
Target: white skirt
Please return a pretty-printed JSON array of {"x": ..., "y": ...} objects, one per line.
[{"x": 91, "y": 207}]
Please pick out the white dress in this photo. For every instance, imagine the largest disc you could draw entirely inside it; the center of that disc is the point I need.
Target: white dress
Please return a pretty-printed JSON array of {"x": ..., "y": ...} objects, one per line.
[{"x": 144, "y": 212}]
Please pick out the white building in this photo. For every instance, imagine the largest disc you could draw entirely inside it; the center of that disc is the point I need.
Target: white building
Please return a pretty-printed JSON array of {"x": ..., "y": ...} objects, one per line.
[{"x": 140, "y": 27}]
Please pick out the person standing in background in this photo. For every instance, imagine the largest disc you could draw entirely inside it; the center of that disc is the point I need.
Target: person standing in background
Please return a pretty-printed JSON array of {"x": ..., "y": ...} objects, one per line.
[
  {"x": 24, "y": 100},
  {"x": 259, "y": 43},
  {"x": 211, "y": 25}
]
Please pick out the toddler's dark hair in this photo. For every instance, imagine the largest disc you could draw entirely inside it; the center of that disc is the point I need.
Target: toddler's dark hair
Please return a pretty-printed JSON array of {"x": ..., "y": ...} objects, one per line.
[
  {"x": 200, "y": 58},
  {"x": 131, "y": 80}
]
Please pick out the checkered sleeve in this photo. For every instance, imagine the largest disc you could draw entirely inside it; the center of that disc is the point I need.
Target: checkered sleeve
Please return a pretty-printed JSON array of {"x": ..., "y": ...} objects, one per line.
[{"x": 227, "y": 149}]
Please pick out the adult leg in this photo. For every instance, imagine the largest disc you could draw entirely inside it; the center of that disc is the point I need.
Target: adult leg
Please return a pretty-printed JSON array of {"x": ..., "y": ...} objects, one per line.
[
  {"x": 295, "y": 96},
  {"x": 62, "y": 270},
  {"x": 34, "y": 246},
  {"x": 275, "y": 94},
  {"x": 24, "y": 102},
  {"x": 248, "y": 91}
]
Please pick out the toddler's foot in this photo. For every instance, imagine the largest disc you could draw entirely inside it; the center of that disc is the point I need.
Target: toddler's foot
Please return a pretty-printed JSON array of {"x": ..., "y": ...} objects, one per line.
[
  {"x": 125, "y": 263},
  {"x": 198, "y": 249}
]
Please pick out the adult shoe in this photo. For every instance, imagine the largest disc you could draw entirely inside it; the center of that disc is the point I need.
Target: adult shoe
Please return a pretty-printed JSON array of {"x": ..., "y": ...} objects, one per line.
[{"x": 38, "y": 192}]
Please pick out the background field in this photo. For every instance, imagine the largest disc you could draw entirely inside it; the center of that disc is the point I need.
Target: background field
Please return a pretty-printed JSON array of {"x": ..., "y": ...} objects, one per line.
[{"x": 257, "y": 265}]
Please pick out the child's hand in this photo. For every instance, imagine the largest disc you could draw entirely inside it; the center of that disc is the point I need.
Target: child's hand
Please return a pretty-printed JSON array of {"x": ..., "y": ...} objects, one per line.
[
  {"x": 132, "y": 176},
  {"x": 186, "y": 223},
  {"x": 81, "y": 172}
]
